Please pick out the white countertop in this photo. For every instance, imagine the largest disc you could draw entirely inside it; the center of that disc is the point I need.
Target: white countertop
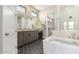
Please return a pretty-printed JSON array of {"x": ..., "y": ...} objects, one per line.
[{"x": 29, "y": 30}]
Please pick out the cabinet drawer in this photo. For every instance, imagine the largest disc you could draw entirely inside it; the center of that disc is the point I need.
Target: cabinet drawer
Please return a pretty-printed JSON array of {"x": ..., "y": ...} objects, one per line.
[{"x": 29, "y": 36}]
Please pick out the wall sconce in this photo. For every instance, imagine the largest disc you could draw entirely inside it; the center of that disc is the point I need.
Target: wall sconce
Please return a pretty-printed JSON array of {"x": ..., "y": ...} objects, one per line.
[{"x": 70, "y": 16}]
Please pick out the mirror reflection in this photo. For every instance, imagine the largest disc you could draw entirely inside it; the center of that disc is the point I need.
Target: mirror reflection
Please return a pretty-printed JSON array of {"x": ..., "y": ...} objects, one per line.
[
  {"x": 28, "y": 19},
  {"x": 66, "y": 17}
]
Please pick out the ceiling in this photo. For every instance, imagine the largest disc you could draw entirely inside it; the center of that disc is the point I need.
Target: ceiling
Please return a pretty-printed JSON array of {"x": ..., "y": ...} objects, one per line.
[{"x": 43, "y": 7}]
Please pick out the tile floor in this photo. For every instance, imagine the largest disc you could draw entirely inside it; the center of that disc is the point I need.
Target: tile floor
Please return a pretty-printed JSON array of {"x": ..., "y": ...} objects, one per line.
[{"x": 35, "y": 47}]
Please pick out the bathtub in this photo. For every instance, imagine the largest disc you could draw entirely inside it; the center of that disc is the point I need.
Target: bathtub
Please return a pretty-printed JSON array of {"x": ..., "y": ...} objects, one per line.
[{"x": 59, "y": 45}]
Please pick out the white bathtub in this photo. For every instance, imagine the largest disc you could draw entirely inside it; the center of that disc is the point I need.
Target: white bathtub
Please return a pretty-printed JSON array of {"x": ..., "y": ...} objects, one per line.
[{"x": 58, "y": 45}]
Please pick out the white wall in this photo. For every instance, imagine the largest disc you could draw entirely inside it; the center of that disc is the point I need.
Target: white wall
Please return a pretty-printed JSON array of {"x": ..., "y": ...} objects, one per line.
[{"x": 1, "y": 29}]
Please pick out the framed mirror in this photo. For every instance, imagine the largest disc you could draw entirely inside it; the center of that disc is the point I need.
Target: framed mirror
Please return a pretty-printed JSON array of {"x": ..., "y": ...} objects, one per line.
[{"x": 21, "y": 19}]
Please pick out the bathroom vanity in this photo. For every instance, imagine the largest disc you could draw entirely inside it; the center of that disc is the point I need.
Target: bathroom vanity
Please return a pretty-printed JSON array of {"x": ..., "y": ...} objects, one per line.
[
  {"x": 59, "y": 45},
  {"x": 26, "y": 36}
]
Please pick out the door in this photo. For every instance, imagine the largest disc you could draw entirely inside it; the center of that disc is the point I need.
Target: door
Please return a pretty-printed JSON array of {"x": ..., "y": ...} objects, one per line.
[
  {"x": 0, "y": 29},
  {"x": 9, "y": 30},
  {"x": 50, "y": 25}
]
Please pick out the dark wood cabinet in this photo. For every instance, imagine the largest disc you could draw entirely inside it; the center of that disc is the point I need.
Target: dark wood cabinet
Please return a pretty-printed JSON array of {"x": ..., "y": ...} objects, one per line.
[
  {"x": 28, "y": 36},
  {"x": 20, "y": 38},
  {"x": 25, "y": 37}
]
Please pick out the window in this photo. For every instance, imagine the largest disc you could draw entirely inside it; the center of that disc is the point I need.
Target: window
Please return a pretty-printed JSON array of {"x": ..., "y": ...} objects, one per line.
[
  {"x": 21, "y": 9},
  {"x": 65, "y": 25},
  {"x": 34, "y": 14},
  {"x": 71, "y": 25}
]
